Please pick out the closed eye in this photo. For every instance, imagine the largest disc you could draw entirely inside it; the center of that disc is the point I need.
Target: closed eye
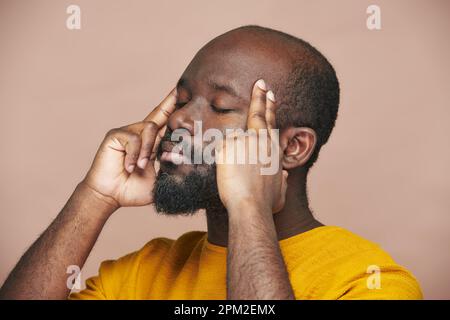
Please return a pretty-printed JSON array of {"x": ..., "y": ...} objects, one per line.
[
  {"x": 220, "y": 110},
  {"x": 216, "y": 109}
]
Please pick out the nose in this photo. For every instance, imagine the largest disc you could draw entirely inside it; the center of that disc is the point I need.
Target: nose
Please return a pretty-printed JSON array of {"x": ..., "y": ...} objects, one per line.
[{"x": 184, "y": 117}]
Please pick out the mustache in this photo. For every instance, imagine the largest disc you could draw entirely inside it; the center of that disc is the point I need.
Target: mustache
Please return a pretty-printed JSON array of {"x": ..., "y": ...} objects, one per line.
[
  {"x": 167, "y": 144},
  {"x": 164, "y": 139},
  {"x": 184, "y": 145}
]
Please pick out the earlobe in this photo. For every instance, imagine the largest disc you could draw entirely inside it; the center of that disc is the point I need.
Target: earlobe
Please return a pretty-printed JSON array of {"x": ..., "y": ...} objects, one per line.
[{"x": 297, "y": 145}]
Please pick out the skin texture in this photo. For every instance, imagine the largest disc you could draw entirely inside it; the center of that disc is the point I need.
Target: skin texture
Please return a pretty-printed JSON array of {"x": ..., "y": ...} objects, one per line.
[{"x": 123, "y": 172}]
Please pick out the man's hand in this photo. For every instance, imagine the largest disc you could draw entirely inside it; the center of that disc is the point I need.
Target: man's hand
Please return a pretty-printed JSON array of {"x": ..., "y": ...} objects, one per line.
[
  {"x": 122, "y": 175},
  {"x": 123, "y": 171},
  {"x": 243, "y": 183},
  {"x": 255, "y": 266}
]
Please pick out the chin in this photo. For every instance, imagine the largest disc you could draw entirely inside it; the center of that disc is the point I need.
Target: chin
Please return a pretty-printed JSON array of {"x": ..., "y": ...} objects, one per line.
[
  {"x": 185, "y": 189},
  {"x": 181, "y": 170}
]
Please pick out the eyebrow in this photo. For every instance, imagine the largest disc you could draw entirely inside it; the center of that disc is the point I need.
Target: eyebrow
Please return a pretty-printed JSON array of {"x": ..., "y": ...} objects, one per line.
[
  {"x": 223, "y": 87},
  {"x": 216, "y": 86}
]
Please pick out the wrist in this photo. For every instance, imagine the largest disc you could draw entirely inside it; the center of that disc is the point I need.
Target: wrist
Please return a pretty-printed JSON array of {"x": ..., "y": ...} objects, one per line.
[
  {"x": 98, "y": 204},
  {"x": 248, "y": 207},
  {"x": 251, "y": 220}
]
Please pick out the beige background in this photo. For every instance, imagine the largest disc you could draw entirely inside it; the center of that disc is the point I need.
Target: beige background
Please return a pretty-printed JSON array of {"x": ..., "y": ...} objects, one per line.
[{"x": 384, "y": 174}]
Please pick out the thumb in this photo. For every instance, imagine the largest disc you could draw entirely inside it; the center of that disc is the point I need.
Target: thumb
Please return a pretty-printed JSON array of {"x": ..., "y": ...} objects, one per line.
[
  {"x": 284, "y": 185},
  {"x": 282, "y": 197}
]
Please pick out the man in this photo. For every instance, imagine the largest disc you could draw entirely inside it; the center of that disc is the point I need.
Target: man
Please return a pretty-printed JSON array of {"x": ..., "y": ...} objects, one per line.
[{"x": 262, "y": 240}]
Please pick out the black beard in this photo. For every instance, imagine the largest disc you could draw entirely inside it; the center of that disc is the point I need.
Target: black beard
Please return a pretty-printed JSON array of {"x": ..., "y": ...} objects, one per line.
[{"x": 196, "y": 191}]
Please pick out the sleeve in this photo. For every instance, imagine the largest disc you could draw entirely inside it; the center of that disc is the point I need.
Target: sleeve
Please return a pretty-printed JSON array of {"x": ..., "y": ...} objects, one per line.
[
  {"x": 388, "y": 282},
  {"x": 101, "y": 286},
  {"x": 93, "y": 291},
  {"x": 117, "y": 279},
  {"x": 370, "y": 275}
]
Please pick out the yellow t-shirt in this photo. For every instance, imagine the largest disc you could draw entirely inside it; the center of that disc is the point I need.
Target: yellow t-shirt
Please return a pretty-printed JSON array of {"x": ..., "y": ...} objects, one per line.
[{"x": 324, "y": 263}]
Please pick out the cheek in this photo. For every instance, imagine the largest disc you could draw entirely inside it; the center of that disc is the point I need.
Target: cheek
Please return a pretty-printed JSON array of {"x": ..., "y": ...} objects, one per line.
[{"x": 224, "y": 121}]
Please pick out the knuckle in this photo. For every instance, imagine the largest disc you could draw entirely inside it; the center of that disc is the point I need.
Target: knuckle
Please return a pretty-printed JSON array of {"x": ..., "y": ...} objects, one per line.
[
  {"x": 165, "y": 112},
  {"x": 133, "y": 156},
  {"x": 150, "y": 126},
  {"x": 146, "y": 148},
  {"x": 111, "y": 132},
  {"x": 257, "y": 116},
  {"x": 125, "y": 128},
  {"x": 259, "y": 97},
  {"x": 133, "y": 138}
]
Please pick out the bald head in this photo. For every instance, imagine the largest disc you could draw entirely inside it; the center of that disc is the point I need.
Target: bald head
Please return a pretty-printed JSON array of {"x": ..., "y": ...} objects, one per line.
[
  {"x": 216, "y": 88},
  {"x": 302, "y": 79}
]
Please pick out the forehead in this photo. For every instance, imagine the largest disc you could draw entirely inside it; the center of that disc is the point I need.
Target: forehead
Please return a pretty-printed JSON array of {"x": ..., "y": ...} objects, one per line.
[{"x": 238, "y": 63}]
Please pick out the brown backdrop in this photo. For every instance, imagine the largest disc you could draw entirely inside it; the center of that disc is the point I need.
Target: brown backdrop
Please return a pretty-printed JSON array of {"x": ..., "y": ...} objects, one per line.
[{"x": 384, "y": 173}]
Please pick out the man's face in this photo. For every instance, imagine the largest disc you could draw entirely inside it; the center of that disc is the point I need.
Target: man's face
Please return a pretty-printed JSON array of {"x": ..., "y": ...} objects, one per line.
[{"x": 214, "y": 89}]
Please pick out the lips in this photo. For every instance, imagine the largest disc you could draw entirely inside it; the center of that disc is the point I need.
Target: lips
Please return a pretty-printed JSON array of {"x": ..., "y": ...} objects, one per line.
[{"x": 174, "y": 156}]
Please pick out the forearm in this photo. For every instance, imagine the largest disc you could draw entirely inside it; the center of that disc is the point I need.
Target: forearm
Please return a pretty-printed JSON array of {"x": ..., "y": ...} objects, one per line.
[
  {"x": 255, "y": 266},
  {"x": 41, "y": 272}
]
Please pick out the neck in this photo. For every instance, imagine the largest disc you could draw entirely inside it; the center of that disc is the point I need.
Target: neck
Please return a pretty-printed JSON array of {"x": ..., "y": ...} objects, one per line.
[{"x": 295, "y": 218}]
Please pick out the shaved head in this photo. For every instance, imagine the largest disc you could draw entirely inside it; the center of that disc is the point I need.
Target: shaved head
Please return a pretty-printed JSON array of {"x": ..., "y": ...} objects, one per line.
[
  {"x": 215, "y": 89},
  {"x": 302, "y": 79}
]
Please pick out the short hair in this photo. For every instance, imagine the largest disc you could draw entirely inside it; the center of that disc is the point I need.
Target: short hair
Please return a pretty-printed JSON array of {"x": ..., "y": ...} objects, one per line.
[{"x": 311, "y": 92}]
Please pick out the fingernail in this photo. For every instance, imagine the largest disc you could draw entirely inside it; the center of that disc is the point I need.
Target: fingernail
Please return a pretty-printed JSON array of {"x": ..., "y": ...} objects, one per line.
[
  {"x": 142, "y": 163},
  {"x": 131, "y": 168},
  {"x": 261, "y": 84},
  {"x": 270, "y": 96}
]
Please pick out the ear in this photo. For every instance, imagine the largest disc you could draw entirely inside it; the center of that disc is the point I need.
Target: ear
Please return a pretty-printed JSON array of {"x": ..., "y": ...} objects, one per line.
[{"x": 297, "y": 146}]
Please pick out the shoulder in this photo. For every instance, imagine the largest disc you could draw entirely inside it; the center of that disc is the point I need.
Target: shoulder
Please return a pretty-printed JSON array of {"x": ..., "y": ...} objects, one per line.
[
  {"x": 117, "y": 278},
  {"x": 349, "y": 266}
]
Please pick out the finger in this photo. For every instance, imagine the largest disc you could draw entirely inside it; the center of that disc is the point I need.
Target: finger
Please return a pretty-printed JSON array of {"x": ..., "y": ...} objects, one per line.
[
  {"x": 284, "y": 186},
  {"x": 158, "y": 139},
  {"x": 220, "y": 150},
  {"x": 270, "y": 110},
  {"x": 127, "y": 142},
  {"x": 162, "y": 112},
  {"x": 284, "y": 183},
  {"x": 132, "y": 149},
  {"x": 257, "y": 111},
  {"x": 148, "y": 136},
  {"x": 135, "y": 127}
]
